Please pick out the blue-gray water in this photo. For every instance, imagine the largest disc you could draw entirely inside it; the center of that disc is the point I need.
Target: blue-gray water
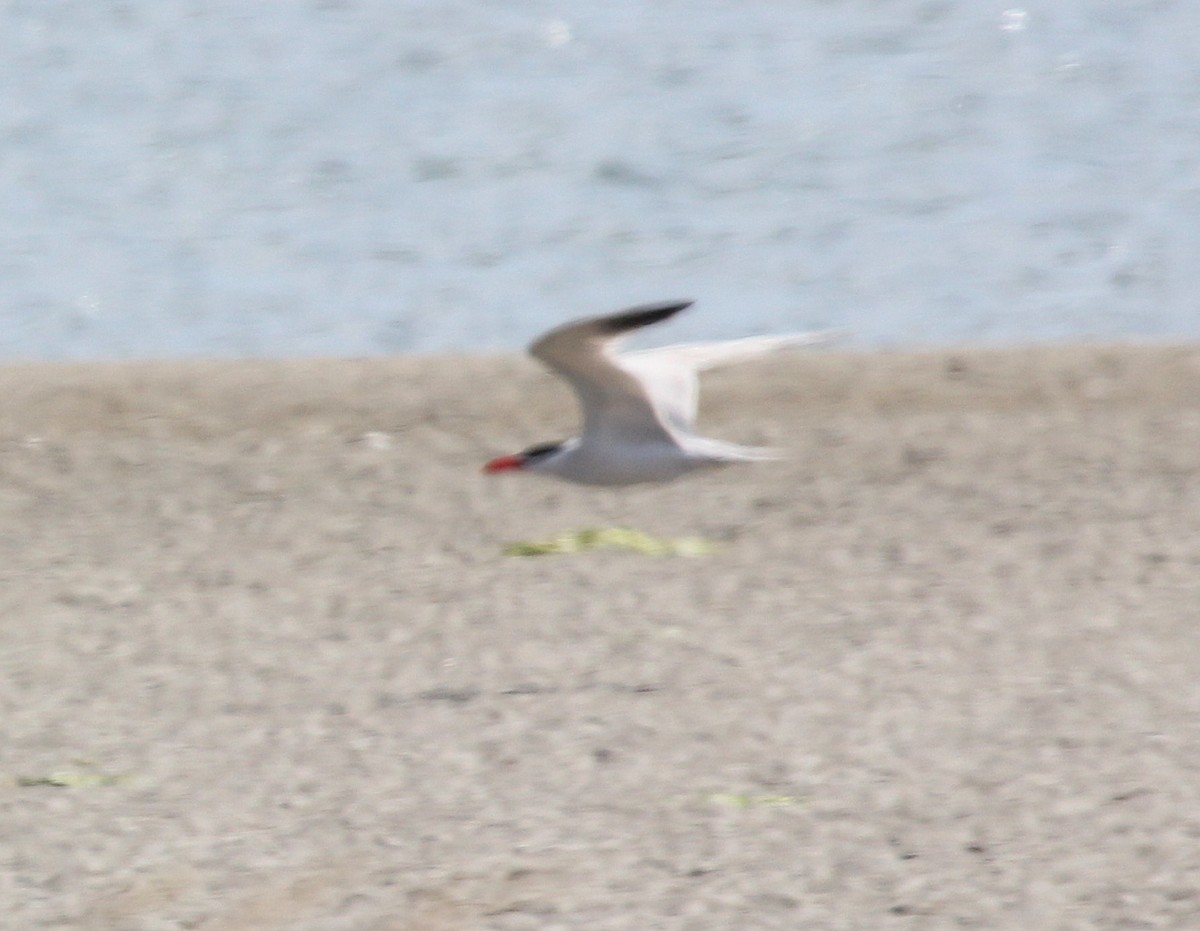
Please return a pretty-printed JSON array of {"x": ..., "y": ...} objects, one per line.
[{"x": 361, "y": 176}]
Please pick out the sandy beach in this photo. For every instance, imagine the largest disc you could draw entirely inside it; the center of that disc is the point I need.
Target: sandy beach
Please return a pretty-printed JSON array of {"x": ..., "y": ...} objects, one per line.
[{"x": 264, "y": 665}]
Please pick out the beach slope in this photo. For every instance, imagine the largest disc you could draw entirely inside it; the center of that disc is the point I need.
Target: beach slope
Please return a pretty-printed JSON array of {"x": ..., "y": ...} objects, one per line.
[{"x": 264, "y": 665}]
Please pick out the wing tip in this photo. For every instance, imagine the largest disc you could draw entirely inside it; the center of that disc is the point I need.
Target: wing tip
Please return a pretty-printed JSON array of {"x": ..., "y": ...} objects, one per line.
[{"x": 642, "y": 315}]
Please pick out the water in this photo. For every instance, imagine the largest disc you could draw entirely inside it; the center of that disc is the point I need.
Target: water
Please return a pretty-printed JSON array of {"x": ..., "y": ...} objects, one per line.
[{"x": 365, "y": 176}]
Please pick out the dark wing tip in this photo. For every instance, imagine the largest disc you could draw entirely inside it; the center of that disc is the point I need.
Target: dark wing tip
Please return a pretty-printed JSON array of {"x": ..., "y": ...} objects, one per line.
[{"x": 640, "y": 316}]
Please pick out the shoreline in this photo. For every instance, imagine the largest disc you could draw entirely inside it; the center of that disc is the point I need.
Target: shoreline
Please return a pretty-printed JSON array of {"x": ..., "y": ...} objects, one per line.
[{"x": 266, "y": 393}]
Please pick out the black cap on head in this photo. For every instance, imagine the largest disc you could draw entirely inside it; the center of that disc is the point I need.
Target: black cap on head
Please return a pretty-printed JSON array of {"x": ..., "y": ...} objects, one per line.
[{"x": 542, "y": 449}]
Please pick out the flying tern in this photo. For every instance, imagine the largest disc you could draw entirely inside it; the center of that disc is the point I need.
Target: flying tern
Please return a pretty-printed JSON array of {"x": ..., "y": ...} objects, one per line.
[{"x": 639, "y": 408}]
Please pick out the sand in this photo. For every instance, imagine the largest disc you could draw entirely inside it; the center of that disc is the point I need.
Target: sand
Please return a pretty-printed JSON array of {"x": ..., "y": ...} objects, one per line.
[{"x": 944, "y": 671}]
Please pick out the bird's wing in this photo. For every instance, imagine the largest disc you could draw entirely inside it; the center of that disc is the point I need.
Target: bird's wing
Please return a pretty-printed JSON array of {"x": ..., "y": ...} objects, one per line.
[
  {"x": 669, "y": 373},
  {"x": 618, "y": 407}
]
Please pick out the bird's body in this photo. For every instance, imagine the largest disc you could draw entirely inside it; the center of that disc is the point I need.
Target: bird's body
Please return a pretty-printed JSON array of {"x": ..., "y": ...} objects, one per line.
[{"x": 639, "y": 408}]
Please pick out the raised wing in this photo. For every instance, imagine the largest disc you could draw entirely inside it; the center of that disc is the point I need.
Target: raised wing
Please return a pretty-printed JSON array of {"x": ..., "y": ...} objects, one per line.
[
  {"x": 669, "y": 374},
  {"x": 617, "y": 406}
]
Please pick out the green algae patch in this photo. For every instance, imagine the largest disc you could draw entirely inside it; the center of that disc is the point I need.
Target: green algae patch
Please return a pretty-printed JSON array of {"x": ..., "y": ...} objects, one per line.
[
  {"x": 739, "y": 800},
  {"x": 611, "y": 538},
  {"x": 86, "y": 776}
]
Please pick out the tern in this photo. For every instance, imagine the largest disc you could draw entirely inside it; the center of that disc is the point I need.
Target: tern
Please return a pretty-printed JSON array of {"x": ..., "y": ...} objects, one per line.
[{"x": 639, "y": 408}]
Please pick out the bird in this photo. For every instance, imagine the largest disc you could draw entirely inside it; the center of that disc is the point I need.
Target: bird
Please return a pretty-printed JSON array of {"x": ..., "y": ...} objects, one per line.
[{"x": 639, "y": 408}]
